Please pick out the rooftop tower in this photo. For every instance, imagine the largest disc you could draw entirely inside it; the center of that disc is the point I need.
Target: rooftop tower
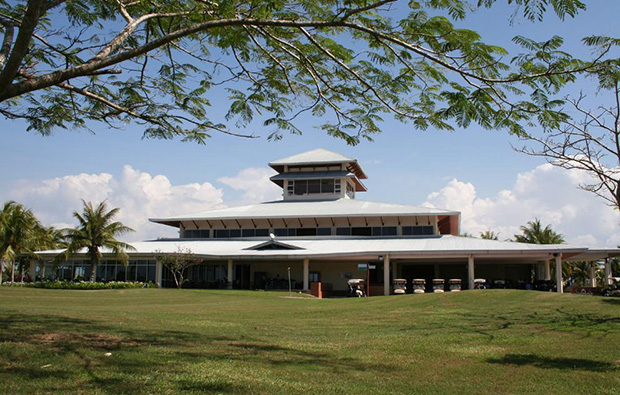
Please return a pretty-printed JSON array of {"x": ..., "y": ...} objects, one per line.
[{"x": 318, "y": 175}]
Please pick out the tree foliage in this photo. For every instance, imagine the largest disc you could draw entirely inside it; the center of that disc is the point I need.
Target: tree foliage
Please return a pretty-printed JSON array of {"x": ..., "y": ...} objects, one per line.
[
  {"x": 164, "y": 63},
  {"x": 489, "y": 235},
  {"x": 589, "y": 141},
  {"x": 534, "y": 233},
  {"x": 178, "y": 262},
  {"x": 97, "y": 229}
]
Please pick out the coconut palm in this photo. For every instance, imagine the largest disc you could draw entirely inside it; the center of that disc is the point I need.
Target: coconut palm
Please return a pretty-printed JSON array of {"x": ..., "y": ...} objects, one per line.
[
  {"x": 97, "y": 229},
  {"x": 489, "y": 235},
  {"x": 534, "y": 233},
  {"x": 19, "y": 231}
]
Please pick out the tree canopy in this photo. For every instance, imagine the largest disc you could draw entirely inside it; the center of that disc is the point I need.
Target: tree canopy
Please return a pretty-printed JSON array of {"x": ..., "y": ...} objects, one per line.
[
  {"x": 589, "y": 141},
  {"x": 97, "y": 229},
  {"x": 534, "y": 233},
  {"x": 349, "y": 63}
]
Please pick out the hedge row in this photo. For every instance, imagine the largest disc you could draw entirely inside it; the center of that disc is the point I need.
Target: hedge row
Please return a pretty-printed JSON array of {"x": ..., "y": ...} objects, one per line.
[{"x": 85, "y": 285}]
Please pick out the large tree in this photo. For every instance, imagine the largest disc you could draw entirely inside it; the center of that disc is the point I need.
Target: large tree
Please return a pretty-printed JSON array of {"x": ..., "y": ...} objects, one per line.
[
  {"x": 97, "y": 229},
  {"x": 162, "y": 63},
  {"x": 589, "y": 140}
]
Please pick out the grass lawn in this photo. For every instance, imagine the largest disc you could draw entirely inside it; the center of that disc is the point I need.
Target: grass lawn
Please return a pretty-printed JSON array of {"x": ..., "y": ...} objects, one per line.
[{"x": 168, "y": 341}]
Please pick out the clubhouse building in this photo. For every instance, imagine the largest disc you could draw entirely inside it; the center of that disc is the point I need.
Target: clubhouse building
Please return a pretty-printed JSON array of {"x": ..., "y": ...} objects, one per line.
[{"x": 321, "y": 233}]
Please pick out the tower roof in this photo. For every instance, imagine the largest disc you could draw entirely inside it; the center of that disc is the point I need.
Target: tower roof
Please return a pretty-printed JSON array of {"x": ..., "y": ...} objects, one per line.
[{"x": 317, "y": 157}]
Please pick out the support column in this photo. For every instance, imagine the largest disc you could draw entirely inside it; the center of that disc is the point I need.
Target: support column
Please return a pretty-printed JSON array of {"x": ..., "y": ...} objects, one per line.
[
  {"x": 558, "y": 273},
  {"x": 386, "y": 275},
  {"x": 229, "y": 277},
  {"x": 306, "y": 274},
  {"x": 158, "y": 273},
  {"x": 593, "y": 274},
  {"x": 607, "y": 273},
  {"x": 470, "y": 271},
  {"x": 547, "y": 270}
]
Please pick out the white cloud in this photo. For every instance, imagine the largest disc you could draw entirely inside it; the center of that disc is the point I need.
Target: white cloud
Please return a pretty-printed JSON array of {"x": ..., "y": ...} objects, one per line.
[
  {"x": 255, "y": 184},
  {"x": 137, "y": 193},
  {"x": 548, "y": 193}
]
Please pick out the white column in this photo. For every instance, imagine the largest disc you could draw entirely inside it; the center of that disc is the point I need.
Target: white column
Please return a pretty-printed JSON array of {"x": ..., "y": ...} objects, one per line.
[
  {"x": 547, "y": 270},
  {"x": 158, "y": 273},
  {"x": 386, "y": 275},
  {"x": 593, "y": 274},
  {"x": 229, "y": 276},
  {"x": 470, "y": 271},
  {"x": 306, "y": 274},
  {"x": 607, "y": 273},
  {"x": 558, "y": 273}
]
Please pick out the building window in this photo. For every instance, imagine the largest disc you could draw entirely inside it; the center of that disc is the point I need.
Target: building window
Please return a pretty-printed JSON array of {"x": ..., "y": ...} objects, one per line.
[
  {"x": 384, "y": 231},
  {"x": 221, "y": 233},
  {"x": 350, "y": 191},
  {"x": 314, "y": 277},
  {"x": 313, "y": 187},
  {"x": 324, "y": 231},
  {"x": 343, "y": 231},
  {"x": 196, "y": 233},
  {"x": 417, "y": 230},
  {"x": 361, "y": 231}
]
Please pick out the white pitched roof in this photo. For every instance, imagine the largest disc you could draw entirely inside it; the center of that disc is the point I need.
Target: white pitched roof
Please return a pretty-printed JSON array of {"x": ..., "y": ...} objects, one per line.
[
  {"x": 316, "y": 156},
  {"x": 315, "y": 209},
  {"x": 342, "y": 247},
  {"x": 319, "y": 156}
]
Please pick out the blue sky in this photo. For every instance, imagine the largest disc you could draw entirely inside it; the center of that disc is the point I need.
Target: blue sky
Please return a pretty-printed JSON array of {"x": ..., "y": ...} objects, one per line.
[{"x": 403, "y": 165}]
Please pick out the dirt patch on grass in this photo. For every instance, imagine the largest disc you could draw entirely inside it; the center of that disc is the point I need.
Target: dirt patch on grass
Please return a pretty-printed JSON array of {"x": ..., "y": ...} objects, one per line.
[{"x": 64, "y": 340}]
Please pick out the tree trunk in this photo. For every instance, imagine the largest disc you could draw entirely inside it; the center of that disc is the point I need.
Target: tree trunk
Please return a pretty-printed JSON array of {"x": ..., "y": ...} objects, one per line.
[
  {"x": 94, "y": 262},
  {"x": 12, "y": 271}
]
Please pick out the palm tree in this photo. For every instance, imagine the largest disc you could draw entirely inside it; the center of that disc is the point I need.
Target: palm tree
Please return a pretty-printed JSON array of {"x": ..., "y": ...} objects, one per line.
[
  {"x": 19, "y": 230},
  {"x": 489, "y": 235},
  {"x": 97, "y": 229},
  {"x": 534, "y": 233}
]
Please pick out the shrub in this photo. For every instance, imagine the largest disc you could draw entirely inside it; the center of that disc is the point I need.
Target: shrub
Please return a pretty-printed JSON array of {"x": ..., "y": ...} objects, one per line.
[{"x": 85, "y": 285}]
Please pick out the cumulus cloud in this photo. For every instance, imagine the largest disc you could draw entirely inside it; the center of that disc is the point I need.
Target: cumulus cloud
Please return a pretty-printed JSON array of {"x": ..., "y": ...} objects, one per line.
[
  {"x": 255, "y": 184},
  {"x": 139, "y": 195},
  {"x": 548, "y": 193}
]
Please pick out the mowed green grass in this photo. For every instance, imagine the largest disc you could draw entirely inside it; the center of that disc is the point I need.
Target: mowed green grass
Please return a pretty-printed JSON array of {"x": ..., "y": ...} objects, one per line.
[{"x": 200, "y": 341}]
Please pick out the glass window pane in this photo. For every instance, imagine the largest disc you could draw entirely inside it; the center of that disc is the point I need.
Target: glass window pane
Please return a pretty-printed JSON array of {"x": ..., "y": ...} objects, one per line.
[
  {"x": 389, "y": 231},
  {"x": 324, "y": 231},
  {"x": 314, "y": 186},
  {"x": 301, "y": 187},
  {"x": 343, "y": 231},
  {"x": 262, "y": 232},
  {"x": 327, "y": 186},
  {"x": 235, "y": 233},
  {"x": 248, "y": 232}
]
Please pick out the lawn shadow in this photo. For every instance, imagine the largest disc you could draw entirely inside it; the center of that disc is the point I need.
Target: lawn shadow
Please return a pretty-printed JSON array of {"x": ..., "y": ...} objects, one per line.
[
  {"x": 554, "y": 363},
  {"x": 90, "y": 342},
  {"x": 611, "y": 300}
]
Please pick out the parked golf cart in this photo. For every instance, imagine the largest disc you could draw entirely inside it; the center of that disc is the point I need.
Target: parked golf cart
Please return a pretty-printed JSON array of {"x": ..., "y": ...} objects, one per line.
[
  {"x": 419, "y": 285},
  {"x": 454, "y": 284},
  {"x": 614, "y": 289},
  {"x": 438, "y": 285},
  {"x": 357, "y": 287},
  {"x": 480, "y": 283},
  {"x": 500, "y": 284},
  {"x": 399, "y": 285}
]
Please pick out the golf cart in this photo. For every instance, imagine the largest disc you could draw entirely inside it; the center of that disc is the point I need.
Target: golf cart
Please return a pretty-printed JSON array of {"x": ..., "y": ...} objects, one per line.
[
  {"x": 454, "y": 285},
  {"x": 357, "y": 287},
  {"x": 399, "y": 285},
  {"x": 480, "y": 283},
  {"x": 614, "y": 289},
  {"x": 419, "y": 285},
  {"x": 438, "y": 285}
]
